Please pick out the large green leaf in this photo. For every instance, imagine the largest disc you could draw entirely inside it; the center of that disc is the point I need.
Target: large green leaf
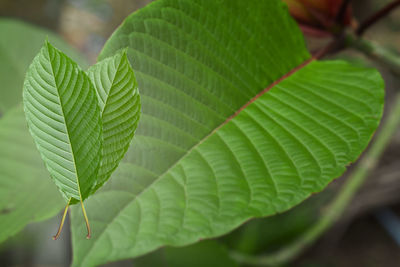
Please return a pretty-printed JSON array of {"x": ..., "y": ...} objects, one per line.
[
  {"x": 19, "y": 45},
  {"x": 27, "y": 194},
  {"x": 119, "y": 101},
  {"x": 213, "y": 148},
  {"x": 265, "y": 235},
  {"x": 205, "y": 253},
  {"x": 64, "y": 119}
]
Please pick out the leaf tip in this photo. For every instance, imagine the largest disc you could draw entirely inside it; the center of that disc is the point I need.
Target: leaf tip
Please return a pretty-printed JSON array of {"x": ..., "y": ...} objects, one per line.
[
  {"x": 46, "y": 41},
  {"x": 123, "y": 52},
  {"x": 47, "y": 46}
]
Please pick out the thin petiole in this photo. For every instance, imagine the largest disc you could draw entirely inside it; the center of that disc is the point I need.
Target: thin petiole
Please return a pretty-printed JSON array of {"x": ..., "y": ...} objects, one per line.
[
  {"x": 62, "y": 222},
  {"x": 86, "y": 220}
]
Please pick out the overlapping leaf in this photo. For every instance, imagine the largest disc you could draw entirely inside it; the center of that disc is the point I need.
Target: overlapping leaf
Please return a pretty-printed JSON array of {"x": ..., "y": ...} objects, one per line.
[
  {"x": 203, "y": 161},
  {"x": 64, "y": 118},
  {"x": 119, "y": 101},
  {"x": 27, "y": 194}
]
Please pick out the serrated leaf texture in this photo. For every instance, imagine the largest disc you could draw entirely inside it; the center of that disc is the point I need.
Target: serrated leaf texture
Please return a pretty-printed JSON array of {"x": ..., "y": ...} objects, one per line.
[
  {"x": 119, "y": 101},
  {"x": 64, "y": 119},
  {"x": 212, "y": 148}
]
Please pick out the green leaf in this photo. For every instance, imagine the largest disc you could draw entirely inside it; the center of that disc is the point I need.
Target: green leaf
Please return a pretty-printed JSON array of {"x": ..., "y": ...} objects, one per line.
[
  {"x": 63, "y": 116},
  {"x": 237, "y": 122},
  {"x": 265, "y": 235},
  {"x": 205, "y": 253},
  {"x": 27, "y": 194},
  {"x": 17, "y": 51},
  {"x": 119, "y": 101}
]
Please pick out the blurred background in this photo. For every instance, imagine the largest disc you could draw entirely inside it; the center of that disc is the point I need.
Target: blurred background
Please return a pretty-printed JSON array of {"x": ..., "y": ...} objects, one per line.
[{"x": 367, "y": 235}]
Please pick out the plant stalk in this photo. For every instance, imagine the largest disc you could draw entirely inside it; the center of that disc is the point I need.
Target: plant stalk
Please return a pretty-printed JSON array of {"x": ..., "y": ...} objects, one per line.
[
  {"x": 376, "y": 17},
  {"x": 55, "y": 237},
  {"x": 380, "y": 54},
  {"x": 89, "y": 233},
  {"x": 342, "y": 11},
  {"x": 339, "y": 204}
]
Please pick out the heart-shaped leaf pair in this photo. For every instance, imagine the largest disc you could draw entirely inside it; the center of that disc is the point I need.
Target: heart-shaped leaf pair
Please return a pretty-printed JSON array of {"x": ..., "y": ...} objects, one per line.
[{"x": 82, "y": 123}]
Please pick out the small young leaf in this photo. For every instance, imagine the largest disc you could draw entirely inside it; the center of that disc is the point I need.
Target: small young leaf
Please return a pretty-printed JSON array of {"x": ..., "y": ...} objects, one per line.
[
  {"x": 63, "y": 116},
  {"x": 119, "y": 100}
]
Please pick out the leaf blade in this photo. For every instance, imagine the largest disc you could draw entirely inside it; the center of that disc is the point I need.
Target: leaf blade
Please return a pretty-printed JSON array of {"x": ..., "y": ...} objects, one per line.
[
  {"x": 196, "y": 178},
  {"x": 27, "y": 193},
  {"x": 119, "y": 101},
  {"x": 64, "y": 119}
]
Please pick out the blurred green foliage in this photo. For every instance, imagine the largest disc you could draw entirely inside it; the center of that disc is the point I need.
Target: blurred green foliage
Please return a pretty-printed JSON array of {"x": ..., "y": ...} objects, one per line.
[{"x": 17, "y": 50}]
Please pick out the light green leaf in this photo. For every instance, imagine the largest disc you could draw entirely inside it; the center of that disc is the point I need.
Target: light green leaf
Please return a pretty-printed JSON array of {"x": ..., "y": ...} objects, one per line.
[
  {"x": 17, "y": 49},
  {"x": 63, "y": 116},
  {"x": 27, "y": 194},
  {"x": 237, "y": 123},
  {"x": 119, "y": 100}
]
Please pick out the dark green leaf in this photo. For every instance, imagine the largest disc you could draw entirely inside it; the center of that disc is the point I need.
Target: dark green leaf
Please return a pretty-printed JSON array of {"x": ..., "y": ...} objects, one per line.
[
  {"x": 213, "y": 148},
  {"x": 206, "y": 253}
]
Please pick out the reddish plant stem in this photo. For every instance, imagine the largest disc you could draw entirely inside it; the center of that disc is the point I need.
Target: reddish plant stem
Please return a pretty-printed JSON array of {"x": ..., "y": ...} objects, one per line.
[
  {"x": 55, "y": 237},
  {"x": 342, "y": 11},
  {"x": 305, "y": 63},
  {"x": 333, "y": 47},
  {"x": 376, "y": 17}
]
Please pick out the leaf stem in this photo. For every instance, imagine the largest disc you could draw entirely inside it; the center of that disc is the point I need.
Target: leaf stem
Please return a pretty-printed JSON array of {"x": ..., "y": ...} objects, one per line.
[
  {"x": 89, "y": 234},
  {"x": 342, "y": 11},
  {"x": 376, "y": 17},
  {"x": 389, "y": 58},
  {"x": 334, "y": 46},
  {"x": 339, "y": 204},
  {"x": 62, "y": 221}
]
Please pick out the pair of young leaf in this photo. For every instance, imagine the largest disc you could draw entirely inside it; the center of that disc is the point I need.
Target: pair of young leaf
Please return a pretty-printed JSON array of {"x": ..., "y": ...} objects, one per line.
[{"x": 82, "y": 123}]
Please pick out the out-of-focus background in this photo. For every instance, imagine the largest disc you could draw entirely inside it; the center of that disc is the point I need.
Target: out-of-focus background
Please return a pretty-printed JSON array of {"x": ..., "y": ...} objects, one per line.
[
  {"x": 367, "y": 235},
  {"x": 85, "y": 24}
]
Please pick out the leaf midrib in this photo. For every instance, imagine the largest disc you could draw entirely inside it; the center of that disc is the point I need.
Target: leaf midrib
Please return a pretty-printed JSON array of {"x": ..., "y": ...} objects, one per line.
[
  {"x": 287, "y": 75},
  {"x": 109, "y": 92},
  {"x": 65, "y": 123}
]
